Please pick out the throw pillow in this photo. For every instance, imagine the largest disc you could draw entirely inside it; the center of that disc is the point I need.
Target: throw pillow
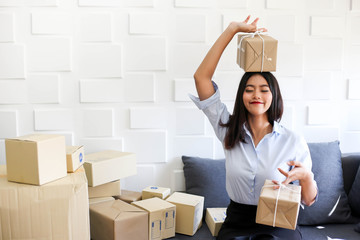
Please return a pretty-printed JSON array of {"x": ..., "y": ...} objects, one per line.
[
  {"x": 357, "y": 228},
  {"x": 332, "y": 204},
  {"x": 354, "y": 195},
  {"x": 206, "y": 177}
]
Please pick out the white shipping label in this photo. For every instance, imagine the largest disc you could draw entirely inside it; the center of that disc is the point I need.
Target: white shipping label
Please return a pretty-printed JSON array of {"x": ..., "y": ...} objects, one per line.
[
  {"x": 156, "y": 229},
  {"x": 169, "y": 219}
]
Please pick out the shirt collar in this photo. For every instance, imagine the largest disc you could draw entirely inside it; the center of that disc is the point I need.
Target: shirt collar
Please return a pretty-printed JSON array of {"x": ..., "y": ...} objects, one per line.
[{"x": 277, "y": 128}]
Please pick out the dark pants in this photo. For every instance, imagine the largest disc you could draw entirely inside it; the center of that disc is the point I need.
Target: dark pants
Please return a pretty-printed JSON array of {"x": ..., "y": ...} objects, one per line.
[{"x": 240, "y": 225}]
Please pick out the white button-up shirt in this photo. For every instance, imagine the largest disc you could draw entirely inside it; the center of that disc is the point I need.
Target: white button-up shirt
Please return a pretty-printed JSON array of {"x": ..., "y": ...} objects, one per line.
[{"x": 247, "y": 166}]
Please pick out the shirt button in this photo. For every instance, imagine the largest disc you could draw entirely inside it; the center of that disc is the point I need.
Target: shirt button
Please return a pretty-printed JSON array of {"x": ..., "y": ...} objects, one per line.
[{"x": 251, "y": 190}]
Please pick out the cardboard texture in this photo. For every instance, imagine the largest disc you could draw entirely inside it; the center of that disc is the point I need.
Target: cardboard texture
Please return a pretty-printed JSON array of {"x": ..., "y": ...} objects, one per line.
[
  {"x": 189, "y": 212},
  {"x": 57, "y": 210},
  {"x": 162, "y": 215},
  {"x": 250, "y": 53},
  {"x": 105, "y": 190},
  {"x": 118, "y": 220},
  {"x": 214, "y": 219},
  {"x": 129, "y": 196},
  {"x": 153, "y": 191},
  {"x": 74, "y": 157},
  {"x": 36, "y": 159},
  {"x": 100, "y": 199},
  {"x": 287, "y": 207},
  {"x": 107, "y": 166}
]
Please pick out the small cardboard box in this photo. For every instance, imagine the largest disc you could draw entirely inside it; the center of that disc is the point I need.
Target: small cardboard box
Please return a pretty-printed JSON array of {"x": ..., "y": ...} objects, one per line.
[
  {"x": 214, "y": 219},
  {"x": 105, "y": 190},
  {"x": 250, "y": 54},
  {"x": 162, "y": 216},
  {"x": 153, "y": 191},
  {"x": 74, "y": 157},
  {"x": 36, "y": 159},
  {"x": 107, "y": 166},
  {"x": 57, "y": 210},
  {"x": 118, "y": 220},
  {"x": 287, "y": 208},
  {"x": 100, "y": 199},
  {"x": 189, "y": 212},
  {"x": 129, "y": 196}
]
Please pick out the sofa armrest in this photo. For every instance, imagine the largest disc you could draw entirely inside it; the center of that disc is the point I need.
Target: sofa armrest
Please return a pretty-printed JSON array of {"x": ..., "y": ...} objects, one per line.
[{"x": 350, "y": 165}]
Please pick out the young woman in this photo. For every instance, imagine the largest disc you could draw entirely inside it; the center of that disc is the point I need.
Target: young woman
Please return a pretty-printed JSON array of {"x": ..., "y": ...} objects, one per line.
[{"x": 256, "y": 146}]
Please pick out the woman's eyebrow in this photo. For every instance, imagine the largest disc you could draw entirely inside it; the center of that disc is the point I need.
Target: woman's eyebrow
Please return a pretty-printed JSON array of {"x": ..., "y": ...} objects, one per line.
[{"x": 250, "y": 85}]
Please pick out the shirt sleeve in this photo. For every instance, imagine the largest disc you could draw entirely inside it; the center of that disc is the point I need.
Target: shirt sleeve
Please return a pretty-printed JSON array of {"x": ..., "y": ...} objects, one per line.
[{"x": 214, "y": 110}]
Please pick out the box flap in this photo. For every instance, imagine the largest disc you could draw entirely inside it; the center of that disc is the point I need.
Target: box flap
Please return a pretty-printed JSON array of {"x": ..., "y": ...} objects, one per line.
[
  {"x": 72, "y": 149},
  {"x": 185, "y": 198},
  {"x": 153, "y": 204},
  {"x": 105, "y": 155},
  {"x": 35, "y": 137}
]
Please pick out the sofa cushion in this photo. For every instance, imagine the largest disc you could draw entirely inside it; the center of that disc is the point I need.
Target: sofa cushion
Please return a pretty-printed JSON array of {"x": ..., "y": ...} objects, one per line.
[
  {"x": 354, "y": 195},
  {"x": 332, "y": 204},
  {"x": 206, "y": 177},
  {"x": 357, "y": 228}
]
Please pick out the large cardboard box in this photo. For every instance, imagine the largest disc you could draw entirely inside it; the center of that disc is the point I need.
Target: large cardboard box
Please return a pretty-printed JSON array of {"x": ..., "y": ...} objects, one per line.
[
  {"x": 189, "y": 212},
  {"x": 287, "y": 207},
  {"x": 74, "y": 157},
  {"x": 153, "y": 191},
  {"x": 57, "y": 210},
  {"x": 105, "y": 190},
  {"x": 162, "y": 216},
  {"x": 129, "y": 196},
  {"x": 107, "y": 166},
  {"x": 214, "y": 219},
  {"x": 250, "y": 54},
  {"x": 118, "y": 220},
  {"x": 36, "y": 159}
]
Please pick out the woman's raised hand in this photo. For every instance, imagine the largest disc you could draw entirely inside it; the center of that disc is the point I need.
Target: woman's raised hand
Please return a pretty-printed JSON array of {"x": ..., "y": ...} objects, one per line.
[{"x": 246, "y": 27}]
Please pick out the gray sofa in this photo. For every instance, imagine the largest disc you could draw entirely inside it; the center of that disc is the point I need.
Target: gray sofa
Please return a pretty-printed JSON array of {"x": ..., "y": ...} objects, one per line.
[{"x": 314, "y": 225}]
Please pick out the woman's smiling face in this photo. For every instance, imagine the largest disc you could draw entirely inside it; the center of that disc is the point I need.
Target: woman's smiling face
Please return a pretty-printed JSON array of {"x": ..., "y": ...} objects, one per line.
[{"x": 257, "y": 96}]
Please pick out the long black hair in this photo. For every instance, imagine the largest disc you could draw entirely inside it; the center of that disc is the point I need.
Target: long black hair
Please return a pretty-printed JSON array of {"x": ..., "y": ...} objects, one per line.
[{"x": 235, "y": 126}]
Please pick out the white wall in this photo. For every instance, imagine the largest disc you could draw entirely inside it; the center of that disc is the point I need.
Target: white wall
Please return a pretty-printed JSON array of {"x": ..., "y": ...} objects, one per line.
[{"x": 116, "y": 73}]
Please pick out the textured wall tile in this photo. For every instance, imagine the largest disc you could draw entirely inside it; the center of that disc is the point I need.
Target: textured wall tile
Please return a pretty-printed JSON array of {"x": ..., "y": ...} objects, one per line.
[
  {"x": 190, "y": 28},
  {"x": 12, "y": 67},
  {"x": 324, "y": 114},
  {"x": 140, "y": 3},
  {"x": 69, "y": 136},
  {"x": 150, "y": 52},
  {"x": 323, "y": 54},
  {"x": 232, "y": 4},
  {"x": 7, "y": 27},
  {"x": 13, "y": 91},
  {"x": 321, "y": 134},
  {"x": 53, "y": 119},
  {"x": 101, "y": 3},
  {"x": 98, "y": 123},
  {"x": 353, "y": 117},
  {"x": 95, "y": 27},
  {"x": 277, "y": 24},
  {"x": 194, "y": 3},
  {"x": 51, "y": 23},
  {"x": 354, "y": 30},
  {"x": 2, "y": 152},
  {"x": 8, "y": 124},
  {"x": 101, "y": 60},
  {"x": 49, "y": 54},
  {"x": 187, "y": 58},
  {"x": 291, "y": 88},
  {"x": 145, "y": 177},
  {"x": 150, "y": 147},
  {"x": 352, "y": 60},
  {"x": 177, "y": 181},
  {"x": 324, "y": 26},
  {"x": 349, "y": 142},
  {"x": 139, "y": 87},
  {"x": 43, "y": 88},
  {"x": 34, "y": 3},
  {"x": 151, "y": 117},
  {"x": 354, "y": 89},
  {"x": 290, "y": 61},
  {"x": 317, "y": 85},
  {"x": 281, "y": 4},
  {"x": 320, "y": 4},
  {"x": 101, "y": 90},
  {"x": 92, "y": 145},
  {"x": 183, "y": 87},
  {"x": 194, "y": 146},
  {"x": 355, "y": 5},
  {"x": 147, "y": 23},
  {"x": 228, "y": 83},
  {"x": 288, "y": 119},
  {"x": 190, "y": 121}
]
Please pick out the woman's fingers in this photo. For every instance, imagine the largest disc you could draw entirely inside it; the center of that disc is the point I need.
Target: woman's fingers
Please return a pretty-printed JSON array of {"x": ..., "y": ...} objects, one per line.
[
  {"x": 294, "y": 163},
  {"x": 247, "y": 19}
]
